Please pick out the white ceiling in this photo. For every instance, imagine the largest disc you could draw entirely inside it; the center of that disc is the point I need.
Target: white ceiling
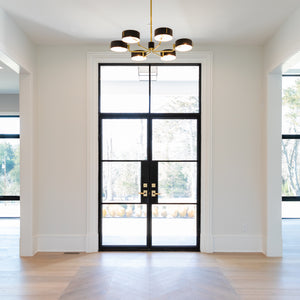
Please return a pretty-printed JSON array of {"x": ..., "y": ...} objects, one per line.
[
  {"x": 237, "y": 22},
  {"x": 9, "y": 80}
]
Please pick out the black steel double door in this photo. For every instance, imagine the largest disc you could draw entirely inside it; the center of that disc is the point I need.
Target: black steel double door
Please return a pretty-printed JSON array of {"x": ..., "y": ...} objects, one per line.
[{"x": 149, "y": 157}]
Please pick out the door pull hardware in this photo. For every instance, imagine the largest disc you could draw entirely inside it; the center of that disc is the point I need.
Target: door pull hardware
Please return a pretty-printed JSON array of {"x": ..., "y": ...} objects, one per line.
[
  {"x": 154, "y": 194},
  {"x": 144, "y": 193}
]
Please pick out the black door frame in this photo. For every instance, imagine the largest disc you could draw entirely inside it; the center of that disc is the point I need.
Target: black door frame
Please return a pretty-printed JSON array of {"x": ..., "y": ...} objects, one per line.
[{"x": 149, "y": 117}]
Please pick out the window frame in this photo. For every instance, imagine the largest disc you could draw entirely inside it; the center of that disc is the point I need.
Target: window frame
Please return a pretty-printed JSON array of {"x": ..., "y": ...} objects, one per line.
[{"x": 9, "y": 136}]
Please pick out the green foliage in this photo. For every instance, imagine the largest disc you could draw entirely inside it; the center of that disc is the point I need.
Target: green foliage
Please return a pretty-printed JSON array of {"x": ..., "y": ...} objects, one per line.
[{"x": 9, "y": 169}]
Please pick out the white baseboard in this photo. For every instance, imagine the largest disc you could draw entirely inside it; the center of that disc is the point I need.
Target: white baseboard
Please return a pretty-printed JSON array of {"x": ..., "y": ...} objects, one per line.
[
  {"x": 83, "y": 243},
  {"x": 238, "y": 243},
  {"x": 206, "y": 243},
  {"x": 61, "y": 243},
  {"x": 92, "y": 242}
]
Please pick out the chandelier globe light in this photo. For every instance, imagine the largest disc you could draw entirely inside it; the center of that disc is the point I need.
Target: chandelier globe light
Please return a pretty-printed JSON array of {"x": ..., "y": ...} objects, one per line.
[{"x": 161, "y": 35}]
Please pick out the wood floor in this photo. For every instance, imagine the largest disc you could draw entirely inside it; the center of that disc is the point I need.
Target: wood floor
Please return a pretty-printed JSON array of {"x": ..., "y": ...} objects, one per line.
[{"x": 154, "y": 275}]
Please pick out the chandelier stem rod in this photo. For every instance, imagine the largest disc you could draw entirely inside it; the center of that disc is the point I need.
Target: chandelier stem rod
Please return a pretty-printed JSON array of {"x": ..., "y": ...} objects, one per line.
[{"x": 150, "y": 20}]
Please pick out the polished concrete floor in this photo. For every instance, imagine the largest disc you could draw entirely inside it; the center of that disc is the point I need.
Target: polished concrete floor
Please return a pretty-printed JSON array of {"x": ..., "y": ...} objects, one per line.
[{"x": 154, "y": 275}]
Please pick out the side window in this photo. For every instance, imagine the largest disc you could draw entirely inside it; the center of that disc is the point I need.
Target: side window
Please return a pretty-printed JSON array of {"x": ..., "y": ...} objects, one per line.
[
  {"x": 291, "y": 146},
  {"x": 9, "y": 158}
]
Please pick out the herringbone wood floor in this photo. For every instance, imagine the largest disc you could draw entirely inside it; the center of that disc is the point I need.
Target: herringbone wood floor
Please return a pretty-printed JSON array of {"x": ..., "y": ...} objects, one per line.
[{"x": 156, "y": 275}]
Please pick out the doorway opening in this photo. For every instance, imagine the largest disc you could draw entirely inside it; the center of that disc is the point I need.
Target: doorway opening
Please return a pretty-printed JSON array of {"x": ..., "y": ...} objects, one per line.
[
  {"x": 9, "y": 162},
  {"x": 149, "y": 156}
]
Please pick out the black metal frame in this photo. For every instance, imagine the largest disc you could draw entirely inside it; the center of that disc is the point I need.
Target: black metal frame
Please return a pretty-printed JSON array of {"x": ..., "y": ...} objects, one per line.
[
  {"x": 9, "y": 136},
  {"x": 149, "y": 117},
  {"x": 291, "y": 137}
]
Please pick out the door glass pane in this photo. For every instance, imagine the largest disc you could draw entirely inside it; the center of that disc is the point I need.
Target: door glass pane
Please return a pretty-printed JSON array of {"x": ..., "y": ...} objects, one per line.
[
  {"x": 124, "y": 89},
  {"x": 9, "y": 167},
  {"x": 175, "y": 89},
  {"x": 121, "y": 181},
  {"x": 290, "y": 105},
  {"x": 290, "y": 168},
  {"x": 124, "y": 224},
  {"x": 174, "y": 139},
  {"x": 9, "y": 125},
  {"x": 177, "y": 182},
  {"x": 174, "y": 225},
  {"x": 124, "y": 139}
]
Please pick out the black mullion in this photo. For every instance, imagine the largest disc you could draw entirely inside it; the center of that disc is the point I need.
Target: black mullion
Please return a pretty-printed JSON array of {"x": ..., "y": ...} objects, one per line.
[
  {"x": 199, "y": 131},
  {"x": 9, "y": 136},
  {"x": 198, "y": 181},
  {"x": 10, "y": 198},
  {"x": 139, "y": 160},
  {"x": 149, "y": 80},
  {"x": 149, "y": 158},
  {"x": 100, "y": 144},
  {"x": 290, "y": 198},
  {"x": 153, "y": 248},
  {"x": 291, "y": 136},
  {"x": 154, "y": 115},
  {"x": 9, "y": 116},
  {"x": 122, "y": 160},
  {"x": 100, "y": 183},
  {"x": 175, "y": 203},
  {"x": 290, "y": 75}
]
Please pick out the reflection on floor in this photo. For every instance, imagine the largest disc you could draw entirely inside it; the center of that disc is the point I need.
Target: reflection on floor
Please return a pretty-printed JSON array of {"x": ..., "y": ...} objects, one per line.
[
  {"x": 9, "y": 236},
  {"x": 291, "y": 236},
  {"x": 149, "y": 275}
]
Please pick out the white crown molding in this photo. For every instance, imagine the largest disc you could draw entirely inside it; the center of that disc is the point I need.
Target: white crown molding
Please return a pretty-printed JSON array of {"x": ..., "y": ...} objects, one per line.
[{"x": 93, "y": 59}]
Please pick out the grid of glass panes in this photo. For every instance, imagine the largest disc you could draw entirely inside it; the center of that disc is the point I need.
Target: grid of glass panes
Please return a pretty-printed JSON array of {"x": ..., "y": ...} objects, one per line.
[
  {"x": 125, "y": 106},
  {"x": 291, "y": 146},
  {"x": 9, "y": 166}
]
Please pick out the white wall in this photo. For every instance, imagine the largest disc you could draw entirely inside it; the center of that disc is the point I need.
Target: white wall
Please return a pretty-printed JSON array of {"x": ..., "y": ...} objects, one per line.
[
  {"x": 9, "y": 104},
  {"x": 237, "y": 156},
  {"x": 19, "y": 51},
  {"x": 61, "y": 148},
  {"x": 237, "y": 121}
]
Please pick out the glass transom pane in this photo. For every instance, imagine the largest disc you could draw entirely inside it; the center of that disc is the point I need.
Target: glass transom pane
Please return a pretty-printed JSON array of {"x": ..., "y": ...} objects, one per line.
[
  {"x": 175, "y": 89},
  {"x": 124, "y": 89},
  {"x": 9, "y": 125},
  {"x": 291, "y": 105}
]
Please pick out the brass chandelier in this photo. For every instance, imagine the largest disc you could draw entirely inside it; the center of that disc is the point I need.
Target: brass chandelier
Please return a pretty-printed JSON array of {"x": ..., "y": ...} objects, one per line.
[{"x": 162, "y": 34}]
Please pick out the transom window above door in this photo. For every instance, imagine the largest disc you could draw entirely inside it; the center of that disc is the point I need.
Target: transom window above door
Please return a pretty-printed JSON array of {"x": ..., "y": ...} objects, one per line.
[{"x": 145, "y": 88}]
